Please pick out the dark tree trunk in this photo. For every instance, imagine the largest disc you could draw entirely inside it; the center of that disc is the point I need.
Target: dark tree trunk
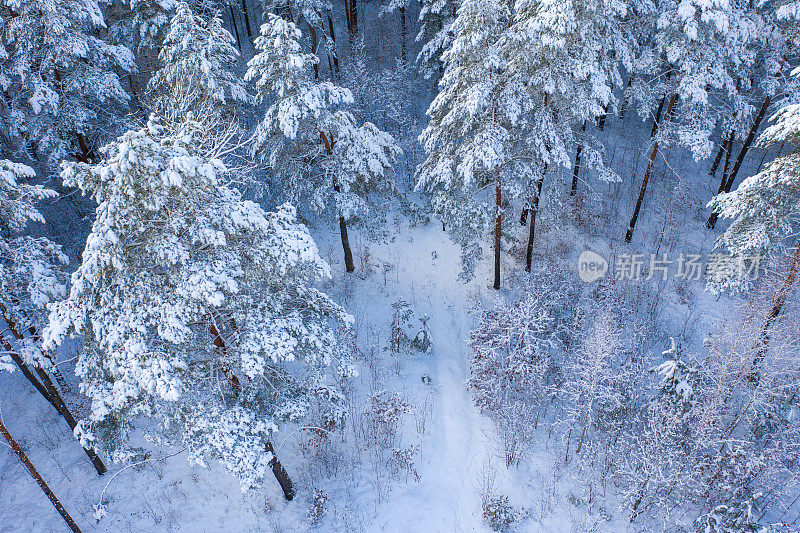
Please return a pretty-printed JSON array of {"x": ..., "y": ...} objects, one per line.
[
  {"x": 24, "y": 369},
  {"x": 333, "y": 39},
  {"x": 577, "y": 167},
  {"x": 712, "y": 220},
  {"x": 624, "y": 107},
  {"x": 601, "y": 121},
  {"x": 643, "y": 189},
  {"x": 657, "y": 119},
  {"x": 348, "y": 254},
  {"x": 235, "y": 27},
  {"x": 728, "y": 147},
  {"x": 313, "y": 33},
  {"x": 498, "y": 233},
  {"x": 722, "y": 149},
  {"x": 247, "y": 21},
  {"x": 523, "y": 217},
  {"x": 52, "y": 395},
  {"x": 348, "y": 18},
  {"x": 353, "y": 19},
  {"x": 39, "y": 480},
  {"x": 280, "y": 474},
  {"x": 403, "y": 32},
  {"x": 532, "y": 229}
]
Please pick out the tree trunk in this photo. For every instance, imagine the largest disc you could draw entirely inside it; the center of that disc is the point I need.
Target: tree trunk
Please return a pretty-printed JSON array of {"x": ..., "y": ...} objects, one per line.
[
  {"x": 353, "y": 19},
  {"x": 643, "y": 189},
  {"x": 624, "y": 107},
  {"x": 577, "y": 167},
  {"x": 313, "y": 33},
  {"x": 39, "y": 480},
  {"x": 775, "y": 309},
  {"x": 247, "y": 21},
  {"x": 52, "y": 395},
  {"x": 601, "y": 122},
  {"x": 348, "y": 254},
  {"x": 403, "y": 33},
  {"x": 722, "y": 149},
  {"x": 235, "y": 28},
  {"x": 280, "y": 474},
  {"x": 348, "y": 18},
  {"x": 333, "y": 39},
  {"x": 712, "y": 220},
  {"x": 523, "y": 216},
  {"x": 728, "y": 147},
  {"x": 532, "y": 229},
  {"x": 498, "y": 232},
  {"x": 657, "y": 119},
  {"x": 24, "y": 368}
]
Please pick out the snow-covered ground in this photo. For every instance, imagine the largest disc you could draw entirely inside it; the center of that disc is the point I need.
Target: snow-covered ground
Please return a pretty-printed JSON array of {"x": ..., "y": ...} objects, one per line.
[{"x": 457, "y": 453}]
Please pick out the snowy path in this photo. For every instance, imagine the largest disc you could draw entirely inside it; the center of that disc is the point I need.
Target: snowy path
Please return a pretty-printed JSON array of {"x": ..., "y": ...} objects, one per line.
[{"x": 458, "y": 443}]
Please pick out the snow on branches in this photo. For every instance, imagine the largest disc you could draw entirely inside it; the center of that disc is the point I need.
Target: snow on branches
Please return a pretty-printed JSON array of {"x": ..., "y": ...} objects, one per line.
[{"x": 196, "y": 307}]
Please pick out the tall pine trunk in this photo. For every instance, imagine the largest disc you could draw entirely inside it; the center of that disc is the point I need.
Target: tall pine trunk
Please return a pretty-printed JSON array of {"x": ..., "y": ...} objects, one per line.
[
  {"x": 498, "y": 233},
  {"x": 247, "y": 21},
  {"x": 403, "y": 31},
  {"x": 348, "y": 253},
  {"x": 728, "y": 147},
  {"x": 577, "y": 167},
  {"x": 235, "y": 27},
  {"x": 643, "y": 189},
  {"x": 280, "y": 474},
  {"x": 50, "y": 393},
  {"x": 722, "y": 150},
  {"x": 712, "y": 220},
  {"x": 532, "y": 229},
  {"x": 333, "y": 40},
  {"x": 657, "y": 119},
  {"x": 15, "y": 447}
]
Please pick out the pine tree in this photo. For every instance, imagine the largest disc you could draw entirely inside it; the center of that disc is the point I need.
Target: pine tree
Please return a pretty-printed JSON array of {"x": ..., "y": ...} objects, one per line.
[
  {"x": 471, "y": 130},
  {"x": 435, "y": 33},
  {"x": 196, "y": 75},
  {"x": 327, "y": 163},
  {"x": 196, "y": 308},
  {"x": 31, "y": 268},
  {"x": 32, "y": 274},
  {"x": 763, "y": 208},
  {"x": 566, "y": 55},
  {"x": 694, "y": 54},
  {"x": 58, "y": 74}
]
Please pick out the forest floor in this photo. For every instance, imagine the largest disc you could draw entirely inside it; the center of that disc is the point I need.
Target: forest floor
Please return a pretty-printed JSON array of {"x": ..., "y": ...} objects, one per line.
[{"x": 457, "y": 454}]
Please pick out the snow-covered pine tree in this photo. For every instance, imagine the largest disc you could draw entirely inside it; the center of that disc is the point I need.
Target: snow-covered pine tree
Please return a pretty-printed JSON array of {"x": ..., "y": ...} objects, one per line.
[
  {"x": 327, "y": 163},
  {"x": 566, "y": 56},
  {"x": 196, "y": 308},
  {"x": 435, "y": 33},
  {"x": 196, "y": 75},
  {"x": 765, "y": 206},
  {"x": 696, "y": 52},
  {"x": 31, "y": 268},
  {"x": 764, "y": 209},
  {"x": 56, "y": 76},
  {"x": 149, "y": 19},
  {"x": 32, "y": 274},
  {"x": 473, "y": 132}
]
